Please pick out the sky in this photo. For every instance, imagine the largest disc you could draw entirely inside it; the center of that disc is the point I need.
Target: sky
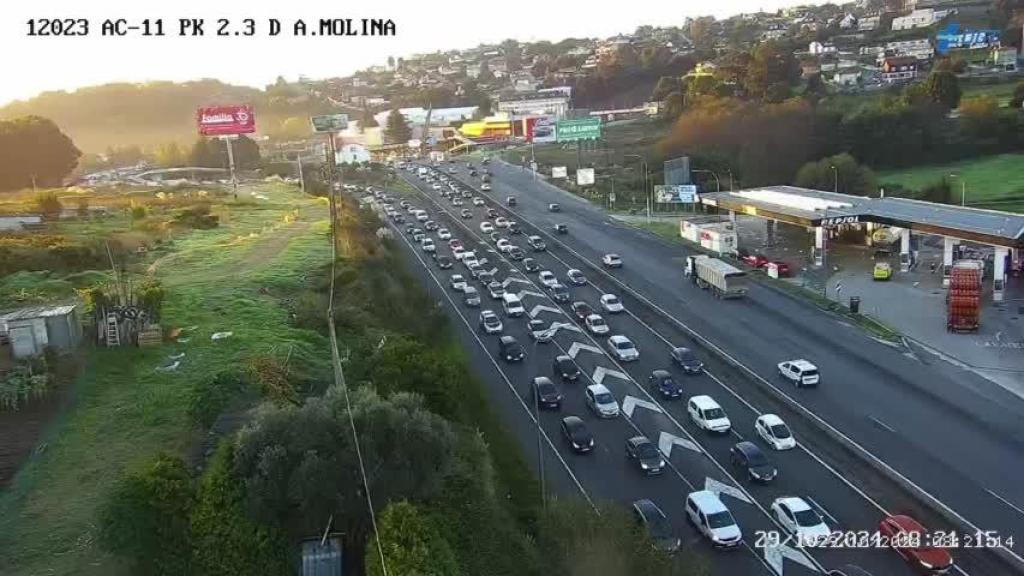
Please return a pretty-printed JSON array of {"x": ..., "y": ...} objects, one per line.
[{"x": 33, "y": 64}]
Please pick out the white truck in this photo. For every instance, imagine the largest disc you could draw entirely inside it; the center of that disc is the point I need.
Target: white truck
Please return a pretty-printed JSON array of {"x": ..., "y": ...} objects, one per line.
[
  {"x": 725, "y": 280},
  {"x": 422, "y": 171}
]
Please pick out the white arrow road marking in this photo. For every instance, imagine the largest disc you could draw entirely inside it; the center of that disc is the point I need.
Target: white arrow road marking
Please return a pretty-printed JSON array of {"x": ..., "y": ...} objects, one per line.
[
  {"x": 530, "y": 293},
  {"x": 774, "y": 555},
  {"x": 712, "y": 485},
  {"x": 510, "y": 280},
  {"x": 556, "y": 326},
  {"x": 666, "y": 441},
  {"x": 542, "y": 308},
  {"x": 493, "y": 271},
  {"x": 601, "y": 372},
  {"x": 576, "y": 347},
  {"x": 629, "y": 403}
]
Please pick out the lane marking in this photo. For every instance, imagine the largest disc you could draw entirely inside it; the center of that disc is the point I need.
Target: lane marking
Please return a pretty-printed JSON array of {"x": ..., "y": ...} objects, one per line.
[
  {"x": 1005, "y": 501},
  {"x": 775, "y": 555},
  {"x": 666, "y": 441},
  {"x": 542, "y": 308},
  {"x": 823, "y": 510},
  {"x": 630, "y": 403},
  {"x": 578, "y": 347},
  {"x": 882, "y": 424},
  {"x": 719, "y": 487}
]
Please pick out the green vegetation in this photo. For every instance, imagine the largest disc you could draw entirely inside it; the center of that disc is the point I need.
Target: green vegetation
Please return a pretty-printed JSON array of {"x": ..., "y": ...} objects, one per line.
[
  {"x": 34, "y": 152},
  {"x": 991, "y": 182}
]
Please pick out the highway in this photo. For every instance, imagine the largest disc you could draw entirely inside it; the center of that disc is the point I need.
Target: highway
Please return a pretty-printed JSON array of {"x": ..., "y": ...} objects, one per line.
[
  {"x": 839, "y": 495},
  {"x": 606, "y": 474}
]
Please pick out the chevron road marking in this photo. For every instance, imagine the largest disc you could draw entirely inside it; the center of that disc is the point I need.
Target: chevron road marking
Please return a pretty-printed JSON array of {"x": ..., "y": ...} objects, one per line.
[
  {"x": 666, "y": 441},
  {"x": 712, "y": 485},
  {"x": 542, "y": 308},
  {"x": 775, "y": 553},
  {"x": 530, "y": 293},
  {"x": 629, "y": 403},
  {"x": 510, "y": 280},
  {"x": 601, "y": 372},
  {"x": 577, "y": 347},
  {"x": 556, "y": 326}
]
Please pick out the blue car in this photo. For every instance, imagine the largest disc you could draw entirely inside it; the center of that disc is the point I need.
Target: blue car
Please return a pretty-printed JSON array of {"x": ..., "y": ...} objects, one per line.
[{"x": 664, "y": 384}]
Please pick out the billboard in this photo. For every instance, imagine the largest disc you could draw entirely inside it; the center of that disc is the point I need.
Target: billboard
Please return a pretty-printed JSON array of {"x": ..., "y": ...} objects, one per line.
[
  {"x": 955, "y": 38},
  {"x": 329, "y": 123},
  {"x": 540, "y": 129},
  {"x": 226, "y": 120},
  {"x": 573, "y": 130},
  {"x": 585, "y": 176},
  {"x": 559, "y": 172},
  {"x": 677, "y": 171},
  {"x": 675, "y": 194}
]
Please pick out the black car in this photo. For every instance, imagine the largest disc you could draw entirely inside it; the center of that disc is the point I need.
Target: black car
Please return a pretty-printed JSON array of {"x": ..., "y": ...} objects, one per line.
[
  {"x": 444, "y": 262},
  {"x": 516, "y": 253},
  {"x": 561, "y": 229},
  {"x": 654, "y": 522},
  {"x": 398, "y": 218},
  {"x": 530, "y": 265},
  {"x": 566, "y": 368},
  {"x": 511, "y": 201},
  {"x": 577, "y": 434},
  {"x": 747, "y": 456},
  {"x": 559, "y": 293},
  {"x": 687, "y": 360},
  {"x": 546, "y": 394},
  {"x": 664, "y": 384},
  {"x": 646, "y": 455},
  {"x": 510, "y": 349},
  {"x": 581, "y": 309}
]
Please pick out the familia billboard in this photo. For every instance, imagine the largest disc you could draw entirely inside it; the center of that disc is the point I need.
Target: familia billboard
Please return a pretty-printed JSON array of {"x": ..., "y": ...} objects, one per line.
[
  {"x": 226, "y": 120},
  {"x": 955, "y": 38},
  {"x": 540, "y": 129}
]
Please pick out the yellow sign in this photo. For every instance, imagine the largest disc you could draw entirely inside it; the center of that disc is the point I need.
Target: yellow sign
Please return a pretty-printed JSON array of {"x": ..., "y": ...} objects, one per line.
[{"x": 750, "y": 210}]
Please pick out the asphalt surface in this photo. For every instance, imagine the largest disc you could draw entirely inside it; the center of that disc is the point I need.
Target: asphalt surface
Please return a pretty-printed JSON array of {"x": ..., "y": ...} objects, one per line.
[
  {"x": 858, "y": 372},
  {"x": 606, "y": 474}
]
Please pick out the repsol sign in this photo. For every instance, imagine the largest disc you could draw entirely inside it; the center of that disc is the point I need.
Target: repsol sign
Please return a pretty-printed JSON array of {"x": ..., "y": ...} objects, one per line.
[{"x": 838, "y": 221}]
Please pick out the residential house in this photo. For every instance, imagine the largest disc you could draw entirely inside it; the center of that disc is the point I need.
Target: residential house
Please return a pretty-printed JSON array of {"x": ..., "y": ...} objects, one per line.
[
  {"x": 846, "y": 77},
  {"x": 869, "y": 23},
  {"x": 818, "y": 48},
  {"x": 920, "y": 48},
  {"x": 899, "y": 69},
  {"x": 1005, "y": 58},
  {"x": 919, "y": 19},
  {"x": 848, "y": 22}
]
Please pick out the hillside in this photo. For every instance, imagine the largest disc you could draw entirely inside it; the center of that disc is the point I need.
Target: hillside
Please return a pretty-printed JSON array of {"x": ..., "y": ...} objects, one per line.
[{"x": 153, "y": 113}]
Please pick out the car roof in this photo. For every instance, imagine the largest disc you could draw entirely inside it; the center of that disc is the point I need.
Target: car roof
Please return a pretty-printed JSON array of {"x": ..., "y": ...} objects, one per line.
[
  {"x": 563, "y": 358},
  {"x": 803, "y": 364},
  {"x": 661, "y": 374},
  {"x": 770, "y": 419},
  {"x": 747, "y": 447},
  {"x": 906, "y": 522},
  {"x": 680, "y": 350},
  {"x": 609, "y": 297},
  {"x": 579, "y": 303},
  {"x": 637, "y": 440},
  {"x": 598, "y": 389},
  {"x": 707, "y": 501},
  {"x": 592, "y": 317},
  {"x": 647, "y": 507},
  {"x": 794, "y": 503},
  {"x": 487, "y": 313},
  {"x": 542, "y": 380},
  {"x": 704, "y": 401},
  {"x": 619, "y": 338},
  {"x": 507, "y": 339},
  {"x": 573, "y": 421}
]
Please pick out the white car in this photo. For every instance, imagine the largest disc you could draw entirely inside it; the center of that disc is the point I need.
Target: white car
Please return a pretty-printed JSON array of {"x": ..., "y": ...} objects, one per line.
[
  {"x": 486, "y": 227},
  {"x": 422, "y": 216},
  {"x": 800, "y": 372},
  {"x": 490, "y": 322},
  {"x": 478, "y": 201},
  {"x": 458, "y": 252},
  {"x": 457, "y": 282},
  {"x": 501, "y": 222},
  {"x": 596, "y": 324},
  {"x": 707, "y": 414},
  {"x": 469, "y": 259},
  {"x": 435, "y": 186},
  {"x": 774, "y": 431},
  {"x": 705, "y": 510},
  {"x": 623, "y": 348},
  {"x": 444, "y": 234},
  {"x": 547, "y": 278},
  {"x": 601, "y": 401},
  {"x": 428, "y": 245},
  {"x": 612, "y": 261},
  {"x": 485, "y": 187},
  {"x": 501, "y": 243},
  {"x": 611, "y": 303},
  {"x": 804, "y": 522}
]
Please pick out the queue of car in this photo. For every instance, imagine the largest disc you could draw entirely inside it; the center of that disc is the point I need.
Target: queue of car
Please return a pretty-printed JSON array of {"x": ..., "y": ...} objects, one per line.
[{"x": 703, "y": 508}]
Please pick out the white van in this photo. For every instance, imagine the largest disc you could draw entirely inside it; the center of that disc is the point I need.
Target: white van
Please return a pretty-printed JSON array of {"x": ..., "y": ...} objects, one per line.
[
  {"x": 705, "y": 510},
  {"x": 513, "y": 305},
  {"x": 707, "y": 414},
  {"x": 422, "y": 216}
]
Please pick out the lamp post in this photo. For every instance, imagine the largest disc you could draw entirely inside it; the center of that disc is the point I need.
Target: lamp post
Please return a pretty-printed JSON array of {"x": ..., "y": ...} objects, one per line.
[
  {"x": 963, "y": 188},
  {"x": 835, "y": 173},
  {"x": 718, "y": 183},
  {"x": 643, "y": 166}
]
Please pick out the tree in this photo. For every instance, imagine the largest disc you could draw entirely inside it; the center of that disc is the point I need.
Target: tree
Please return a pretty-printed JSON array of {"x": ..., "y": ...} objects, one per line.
[
  {"x": 146, "y": 518},
  {"x": 771, "y": 72},
  {"x": 1018, "y": 96},
  {"x": 980, "y": 116},
  {"x": 411, "y": 544},
  {"x": 485, "y": 76},
  {"x": 943, "y": 88},
  {"x": 848, "y": 177},
  {"x": 169, "y": 155},
  {"x": 815, "y": 89},
  {"x": 34, "y": 152},
  {"x": 205, "y": 154},
  {"x": 48, "y": 205},
  {"x": 397, "y": 130},
  {"x": 391, "y": 62},
  {"x": 366, "y": 120},
  {"x": 665, "y": 85}
]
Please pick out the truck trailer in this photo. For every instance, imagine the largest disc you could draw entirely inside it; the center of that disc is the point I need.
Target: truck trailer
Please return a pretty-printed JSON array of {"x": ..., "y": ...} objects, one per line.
[{"x": 725, "y": 280}]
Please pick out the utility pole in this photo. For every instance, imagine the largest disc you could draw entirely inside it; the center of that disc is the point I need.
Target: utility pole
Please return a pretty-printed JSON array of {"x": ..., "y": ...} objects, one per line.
[
  {"x": 835, "y": 186},
  {"x": 231, "y": 161},
  {"x": 302, "y": 180}
]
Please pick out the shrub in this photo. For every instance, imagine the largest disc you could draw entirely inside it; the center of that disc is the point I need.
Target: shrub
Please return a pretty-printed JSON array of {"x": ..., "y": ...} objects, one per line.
[
  {"x": 197, "y": 217},
  {"x": 150, "y": 295},
  {"x": 138, "y": 212},
  {"x": 48, "y": 204},
  {"x": 209, "y": 397}
]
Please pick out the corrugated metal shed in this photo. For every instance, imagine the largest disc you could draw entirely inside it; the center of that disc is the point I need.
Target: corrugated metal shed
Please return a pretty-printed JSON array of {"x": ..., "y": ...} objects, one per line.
[{"x": 322, "y": 560}]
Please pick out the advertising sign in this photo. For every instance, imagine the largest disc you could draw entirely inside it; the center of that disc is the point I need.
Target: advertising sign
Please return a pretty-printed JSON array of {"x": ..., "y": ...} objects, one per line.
[
  {"x": 559, "y": 172},
  {"x": 329, "y": 123},
  {"x": 675, "y": 194},
  {"x": 573, "y": 130},
  {"x": 955, "y": 38},
  {"x": 541, "y": 130},
  {"x": 226, "y": 120},
  {"x": 585, "y": 177},
  {"x": 677, "y": 170}
]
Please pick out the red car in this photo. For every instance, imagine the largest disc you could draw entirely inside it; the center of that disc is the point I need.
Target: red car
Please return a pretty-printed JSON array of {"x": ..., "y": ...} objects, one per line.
[
  {"x": 755, "y": 260},
  {"x": 455, "y": 243},
  {"x": 903, "y": 530},
  {"x": 783, "y": 268}
]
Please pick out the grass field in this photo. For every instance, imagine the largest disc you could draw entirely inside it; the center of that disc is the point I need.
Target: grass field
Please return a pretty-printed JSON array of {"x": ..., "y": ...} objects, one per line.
[
  {"x": 1002, "y": 91},
  {"x": 124, "y": 412},
  {"x": 988, "y": 180}
]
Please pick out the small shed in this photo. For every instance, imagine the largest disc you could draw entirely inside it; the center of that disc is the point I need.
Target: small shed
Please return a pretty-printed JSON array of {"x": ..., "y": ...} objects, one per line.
[
  {"x": 322, "y": 557},
  {"x": 29, "y": 331}
]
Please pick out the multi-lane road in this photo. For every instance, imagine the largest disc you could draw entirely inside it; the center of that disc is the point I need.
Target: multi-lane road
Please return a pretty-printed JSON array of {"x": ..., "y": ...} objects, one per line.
[{"x": 662, "y": 312}]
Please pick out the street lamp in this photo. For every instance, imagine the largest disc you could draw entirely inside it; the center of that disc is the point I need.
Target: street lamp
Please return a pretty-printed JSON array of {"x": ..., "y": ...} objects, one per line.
[
  {"x": 963, "y": 188},
  {"x": 835, "y": 186},
  {"x": 643, "y": 165},
  {"x": 718, "y": 183}
]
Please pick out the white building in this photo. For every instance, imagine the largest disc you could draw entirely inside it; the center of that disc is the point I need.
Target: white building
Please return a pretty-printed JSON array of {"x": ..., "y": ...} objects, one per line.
[
  {"x": 869, "y": 23},
  {"x": 848, "y": 21},
  {"x": 538, "y": 105},
  {"x": 819, "y": 48},
  {"x": 846, "y": 77},
  {"x": 352, "y": 154},
  {"x": 919, "y": 19},
  {"x": 921, "y": 49}
]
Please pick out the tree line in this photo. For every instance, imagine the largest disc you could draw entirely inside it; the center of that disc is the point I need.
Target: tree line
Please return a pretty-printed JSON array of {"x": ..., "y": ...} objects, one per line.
[{"x": 34, "y": 152}]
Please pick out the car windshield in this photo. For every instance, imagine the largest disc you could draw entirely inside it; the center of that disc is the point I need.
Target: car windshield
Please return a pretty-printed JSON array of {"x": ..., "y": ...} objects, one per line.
[
  {"x": 720, "y": 519},
  {"x": 546, "y": 388},
  {"x": 597, "y": 321},
  {"x": 647, "y": 450},
  {"x": 604, "y": 398},
  {"x": 515, "y": 348},
  {"x": 686, "y": 355},
  {"x": 807, "y": 517},
  {"x": 624, "y": 345},
  {"x": 668, "y": 382},
  {"x": 757, "y": 459},
  {"x": 611, "y": 300},
  {"x": 713, "y": 414},
  {"x": 780, "y": 431}
]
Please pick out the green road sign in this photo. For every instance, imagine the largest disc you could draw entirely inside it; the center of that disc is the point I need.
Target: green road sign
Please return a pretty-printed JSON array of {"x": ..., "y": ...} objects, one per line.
[{"x": 573, "y": 130}]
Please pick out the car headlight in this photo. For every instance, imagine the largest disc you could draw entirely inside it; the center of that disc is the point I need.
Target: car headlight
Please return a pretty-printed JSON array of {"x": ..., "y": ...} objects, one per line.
[
  {"x": 644, "y": 465},
  {"x": 926, "y": 565}
]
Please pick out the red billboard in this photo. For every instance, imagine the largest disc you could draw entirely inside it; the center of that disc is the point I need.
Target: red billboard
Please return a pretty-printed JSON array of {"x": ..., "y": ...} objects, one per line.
[{"x": 226, "y": 120}]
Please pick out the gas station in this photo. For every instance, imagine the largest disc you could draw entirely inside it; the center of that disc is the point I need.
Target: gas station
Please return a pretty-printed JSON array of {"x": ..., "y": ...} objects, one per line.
[{"x": 828, "y": 214}]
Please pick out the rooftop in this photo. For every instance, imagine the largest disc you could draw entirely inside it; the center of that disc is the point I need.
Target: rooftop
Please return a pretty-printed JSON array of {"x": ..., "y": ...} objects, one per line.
[{"x": 37, "y": 312}]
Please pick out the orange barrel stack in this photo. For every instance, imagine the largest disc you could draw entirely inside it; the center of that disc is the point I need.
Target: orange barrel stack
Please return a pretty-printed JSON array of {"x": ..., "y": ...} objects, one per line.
[{"x": 964, "y": 296}]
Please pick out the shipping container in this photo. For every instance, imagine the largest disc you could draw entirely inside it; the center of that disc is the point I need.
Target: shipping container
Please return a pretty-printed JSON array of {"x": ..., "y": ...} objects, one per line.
[{"x": 963, "y": 300}]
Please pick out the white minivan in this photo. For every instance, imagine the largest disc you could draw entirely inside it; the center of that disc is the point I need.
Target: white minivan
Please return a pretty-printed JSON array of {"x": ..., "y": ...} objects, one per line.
[
  {"x": 512, "y": 305},
  {"x": 705, "y": 510},
  {"x": 422, "y": 216},
  {"x": 707, "y": 414}
]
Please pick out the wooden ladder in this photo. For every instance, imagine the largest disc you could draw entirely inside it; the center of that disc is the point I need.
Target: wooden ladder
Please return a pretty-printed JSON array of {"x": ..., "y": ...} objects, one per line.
[{"x": 113, "y": 333}]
